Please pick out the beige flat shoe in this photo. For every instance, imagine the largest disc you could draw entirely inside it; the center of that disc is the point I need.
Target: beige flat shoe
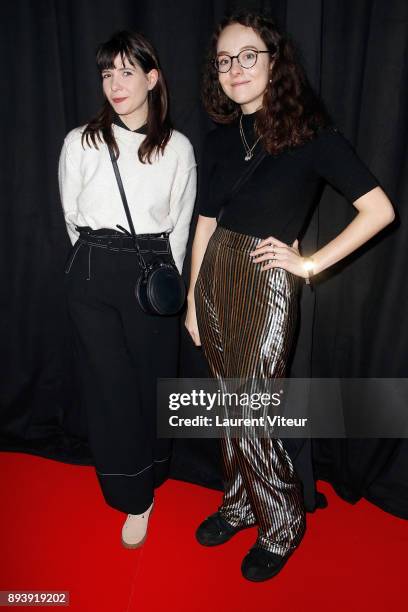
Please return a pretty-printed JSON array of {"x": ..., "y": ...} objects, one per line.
[{"x": 134, "y": 530}]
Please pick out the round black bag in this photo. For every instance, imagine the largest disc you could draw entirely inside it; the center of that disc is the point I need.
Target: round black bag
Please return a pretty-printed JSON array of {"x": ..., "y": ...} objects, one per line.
[{"x": 160, "y": 289}]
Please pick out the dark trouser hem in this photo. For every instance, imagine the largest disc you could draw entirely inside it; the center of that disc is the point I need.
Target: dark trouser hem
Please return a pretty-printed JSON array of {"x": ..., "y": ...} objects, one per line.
[{"x": 133, "y": 498}]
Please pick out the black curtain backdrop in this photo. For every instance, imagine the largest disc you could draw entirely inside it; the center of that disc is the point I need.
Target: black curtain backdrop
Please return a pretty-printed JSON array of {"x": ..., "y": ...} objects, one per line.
[{"x": 355, "y": 54}]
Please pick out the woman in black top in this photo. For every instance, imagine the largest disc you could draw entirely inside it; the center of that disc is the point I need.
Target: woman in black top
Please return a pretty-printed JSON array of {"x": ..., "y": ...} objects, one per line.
[{"x": 246, "y": 265}]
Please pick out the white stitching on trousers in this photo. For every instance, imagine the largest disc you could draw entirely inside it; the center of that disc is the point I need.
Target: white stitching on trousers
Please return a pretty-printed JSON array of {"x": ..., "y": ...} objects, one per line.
[
  {"x": 110, "y": 248},
  {"x": 89, "y": 263},
  {"x": 78, "y": 245},
  {"x": 137, "y": 473}
]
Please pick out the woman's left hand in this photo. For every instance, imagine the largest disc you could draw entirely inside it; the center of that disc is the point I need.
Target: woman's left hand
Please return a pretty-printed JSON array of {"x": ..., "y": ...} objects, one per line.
[{"x": 282, "y": 254}]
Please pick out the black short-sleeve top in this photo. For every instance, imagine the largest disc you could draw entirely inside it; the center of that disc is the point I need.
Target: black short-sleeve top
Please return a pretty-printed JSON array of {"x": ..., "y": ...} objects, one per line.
[{"x": 282, "y": 191}]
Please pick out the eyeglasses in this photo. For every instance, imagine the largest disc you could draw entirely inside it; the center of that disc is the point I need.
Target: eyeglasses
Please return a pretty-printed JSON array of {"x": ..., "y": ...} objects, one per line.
[{"x": 246, "y": 58}]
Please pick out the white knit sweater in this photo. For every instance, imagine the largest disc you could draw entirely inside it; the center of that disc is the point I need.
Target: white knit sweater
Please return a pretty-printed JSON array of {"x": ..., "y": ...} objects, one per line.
[{"x": 160, "y": 195}]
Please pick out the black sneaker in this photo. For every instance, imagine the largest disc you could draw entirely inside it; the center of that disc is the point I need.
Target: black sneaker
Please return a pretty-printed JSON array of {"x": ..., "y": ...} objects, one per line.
[
  {"x": 260, "y": 564},
  {"x": 216, "y": 530}
]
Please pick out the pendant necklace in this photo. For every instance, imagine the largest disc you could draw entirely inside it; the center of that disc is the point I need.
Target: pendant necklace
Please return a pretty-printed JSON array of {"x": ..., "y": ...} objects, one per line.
[{"x": 248, "y": 150}]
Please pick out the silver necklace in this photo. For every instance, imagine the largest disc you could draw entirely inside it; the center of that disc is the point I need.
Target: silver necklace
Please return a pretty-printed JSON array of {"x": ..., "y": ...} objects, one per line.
[{"x": 248, "y": 150}]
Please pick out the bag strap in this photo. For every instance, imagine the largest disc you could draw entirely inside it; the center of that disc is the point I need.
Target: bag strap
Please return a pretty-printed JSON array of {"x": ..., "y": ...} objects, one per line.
[
  {"x": 126, "y": 207},
  {"x": 122, "y": 192}
]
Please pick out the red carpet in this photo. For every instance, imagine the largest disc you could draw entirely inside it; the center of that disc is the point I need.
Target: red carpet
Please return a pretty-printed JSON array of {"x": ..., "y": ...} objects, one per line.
[{"x": 58, "y": 534}]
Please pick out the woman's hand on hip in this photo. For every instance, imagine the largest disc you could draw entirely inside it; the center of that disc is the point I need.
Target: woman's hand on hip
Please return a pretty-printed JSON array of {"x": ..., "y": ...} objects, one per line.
[
  {"x": 278, "y": 254},
  {"x": 191, "y": 322}
]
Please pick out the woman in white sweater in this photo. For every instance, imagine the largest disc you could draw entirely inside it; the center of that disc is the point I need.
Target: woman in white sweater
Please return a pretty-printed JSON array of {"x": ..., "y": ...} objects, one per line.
[{"x": 120, "y": 350}]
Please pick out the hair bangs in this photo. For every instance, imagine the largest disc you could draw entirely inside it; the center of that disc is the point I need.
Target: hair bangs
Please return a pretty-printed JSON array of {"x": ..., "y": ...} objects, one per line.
[{"x": 107, "y": 53}]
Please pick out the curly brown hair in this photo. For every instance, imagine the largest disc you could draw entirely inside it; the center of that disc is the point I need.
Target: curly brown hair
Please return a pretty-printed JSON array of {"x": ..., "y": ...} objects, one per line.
[
  {"x": 291, "y": 113},
  {"x": 137, "y": 50}
]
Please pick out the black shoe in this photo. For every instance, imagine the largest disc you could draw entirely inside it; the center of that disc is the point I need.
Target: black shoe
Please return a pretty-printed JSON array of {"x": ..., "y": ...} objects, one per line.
[
  {"x": 215, "y": 530},
  {"x": 260, "y": 564}
]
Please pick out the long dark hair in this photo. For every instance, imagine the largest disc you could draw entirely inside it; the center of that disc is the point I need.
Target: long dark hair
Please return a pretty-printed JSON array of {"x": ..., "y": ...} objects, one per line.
[
  {"x": 291, "y": 113},
  {"x": 137, "y": 50}
]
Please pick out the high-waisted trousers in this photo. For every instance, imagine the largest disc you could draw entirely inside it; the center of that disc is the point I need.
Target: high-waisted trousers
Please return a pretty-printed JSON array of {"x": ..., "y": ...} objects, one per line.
[
  {"x": 120, "y": 352},
  {"x": 246, "y": 319}
]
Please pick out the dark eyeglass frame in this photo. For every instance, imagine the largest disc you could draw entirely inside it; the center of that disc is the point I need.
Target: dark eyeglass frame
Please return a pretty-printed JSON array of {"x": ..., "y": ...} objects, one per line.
[{"x": 232, "y": 57}]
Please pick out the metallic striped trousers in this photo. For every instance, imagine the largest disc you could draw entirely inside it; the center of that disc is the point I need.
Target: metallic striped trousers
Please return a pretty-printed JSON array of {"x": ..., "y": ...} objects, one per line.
[{"x": 246, "y": 319}]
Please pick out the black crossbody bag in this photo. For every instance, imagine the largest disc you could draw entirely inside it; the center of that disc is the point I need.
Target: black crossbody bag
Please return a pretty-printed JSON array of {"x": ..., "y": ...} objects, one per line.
[{"x": 160, "y": 289}]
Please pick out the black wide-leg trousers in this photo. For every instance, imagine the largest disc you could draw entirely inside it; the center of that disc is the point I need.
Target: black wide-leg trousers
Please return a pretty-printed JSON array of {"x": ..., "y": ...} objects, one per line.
[{"x": 120, "y": 352}]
